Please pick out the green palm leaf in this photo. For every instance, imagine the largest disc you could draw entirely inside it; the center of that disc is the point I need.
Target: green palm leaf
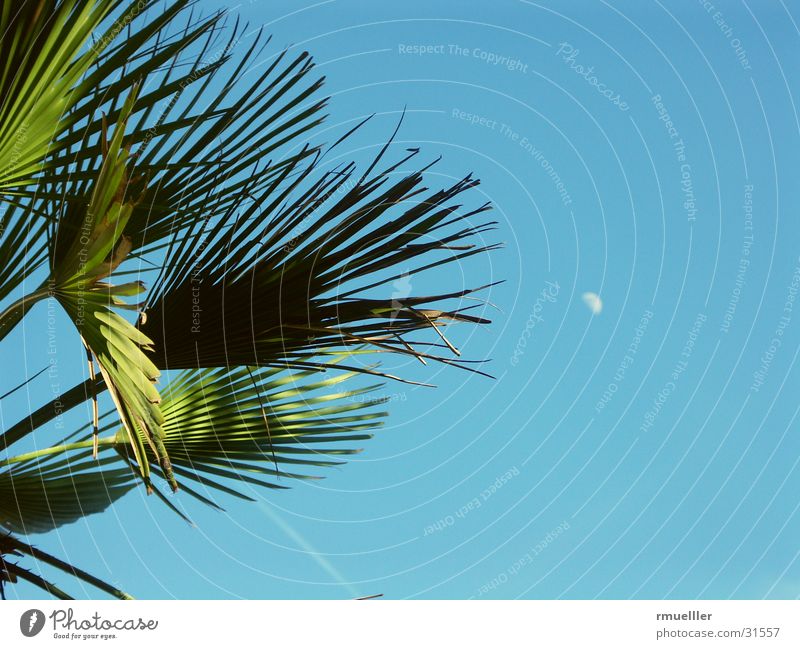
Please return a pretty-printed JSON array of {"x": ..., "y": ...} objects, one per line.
[
  {"x": 42, "y": 58},
  {"x": 60, "y": 65},
  {"x": 90, "y": 248},
  {"x": 198, "y": 157},
  {"x": 245, "y": 426}
]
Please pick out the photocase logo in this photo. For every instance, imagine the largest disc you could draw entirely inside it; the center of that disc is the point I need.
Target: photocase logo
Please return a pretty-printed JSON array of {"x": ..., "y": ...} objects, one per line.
[{"x": 31, "y": 622}]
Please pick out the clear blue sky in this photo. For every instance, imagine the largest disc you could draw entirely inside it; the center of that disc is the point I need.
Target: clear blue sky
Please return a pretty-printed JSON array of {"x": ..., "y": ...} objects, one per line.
[{"x": 683, "y": 481}]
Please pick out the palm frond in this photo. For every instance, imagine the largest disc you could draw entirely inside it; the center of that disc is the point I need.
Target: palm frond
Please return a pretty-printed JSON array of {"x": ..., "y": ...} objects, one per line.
[
  {"x": 289, "y": 275},
  {"x": 13, "y": 572},
  {"x": 42, "y": 58},
  {"x": 61, "y": 64},
  {"x": 87, "y": 248},
  {"x": 268, "y": 271},
  {"x": 246, "y": 426},
  {"x": 194, "y": 161},
  {"x": 198, "y": 156},
  {"x": 201, "y": 163}
]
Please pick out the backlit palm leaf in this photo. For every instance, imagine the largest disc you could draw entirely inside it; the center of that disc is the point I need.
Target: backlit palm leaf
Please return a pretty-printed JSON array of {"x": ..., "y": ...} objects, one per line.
[
  {"x": 241, "y": 424},
  {"x": 42, "y": 58},
  {"x": 87, "y": 248},
  {"x": 60, "y": 63}
]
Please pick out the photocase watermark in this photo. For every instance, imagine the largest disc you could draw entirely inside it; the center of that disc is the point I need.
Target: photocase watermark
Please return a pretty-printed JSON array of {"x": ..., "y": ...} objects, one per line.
[
  {"x": 744, "y": 261},
  {"x": 196, "y": 281},
  {"x": 526, "y": 559},
  {"x": 86, "y": 232},
  {"x": 510, "y": 63},
  {"x": 677, "y": 371},
  {"x": 395, "y": 396},
  {"x": 20, "y": 137},
  {"x": 491, "y": 58},
  {"x": 547, "y": 295},
  {"x": 569, "y": 55},
  {"x": 666, "y": 118},
  {"x": 626, "y": 362},
  {"x": 472, "y": 505},
  {"x": 687, "y": 187},
  {"x": 421, "y": 50},
  {"x": 119, "y": 25},
  {"x": 760, "y": 375}
]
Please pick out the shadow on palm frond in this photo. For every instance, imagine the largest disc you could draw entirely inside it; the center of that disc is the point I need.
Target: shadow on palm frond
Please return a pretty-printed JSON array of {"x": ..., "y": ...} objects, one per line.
[{"x": 284, "y": 281}]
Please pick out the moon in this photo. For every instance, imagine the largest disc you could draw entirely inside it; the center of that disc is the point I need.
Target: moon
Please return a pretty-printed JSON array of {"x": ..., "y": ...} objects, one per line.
[{"x": 593, "y": 301}]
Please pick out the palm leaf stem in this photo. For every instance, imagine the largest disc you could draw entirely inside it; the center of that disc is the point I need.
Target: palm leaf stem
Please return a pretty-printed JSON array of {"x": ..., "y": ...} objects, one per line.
[{"x": 61, "y": 448}]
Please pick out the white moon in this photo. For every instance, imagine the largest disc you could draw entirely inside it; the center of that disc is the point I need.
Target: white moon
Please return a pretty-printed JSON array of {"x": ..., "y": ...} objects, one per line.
[{"x": 593, "y": 301}]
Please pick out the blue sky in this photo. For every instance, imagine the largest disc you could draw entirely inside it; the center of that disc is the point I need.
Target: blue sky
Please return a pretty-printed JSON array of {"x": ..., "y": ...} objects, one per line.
[{"x": 637, "y": 150}]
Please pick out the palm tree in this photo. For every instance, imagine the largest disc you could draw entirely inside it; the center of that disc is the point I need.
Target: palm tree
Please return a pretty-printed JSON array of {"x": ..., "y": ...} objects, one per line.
[{"x": 138, "y": 158}]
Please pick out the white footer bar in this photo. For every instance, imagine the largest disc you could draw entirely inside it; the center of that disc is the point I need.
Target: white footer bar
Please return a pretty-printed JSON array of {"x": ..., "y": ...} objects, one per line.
[{"x": 382, "y": 623}]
